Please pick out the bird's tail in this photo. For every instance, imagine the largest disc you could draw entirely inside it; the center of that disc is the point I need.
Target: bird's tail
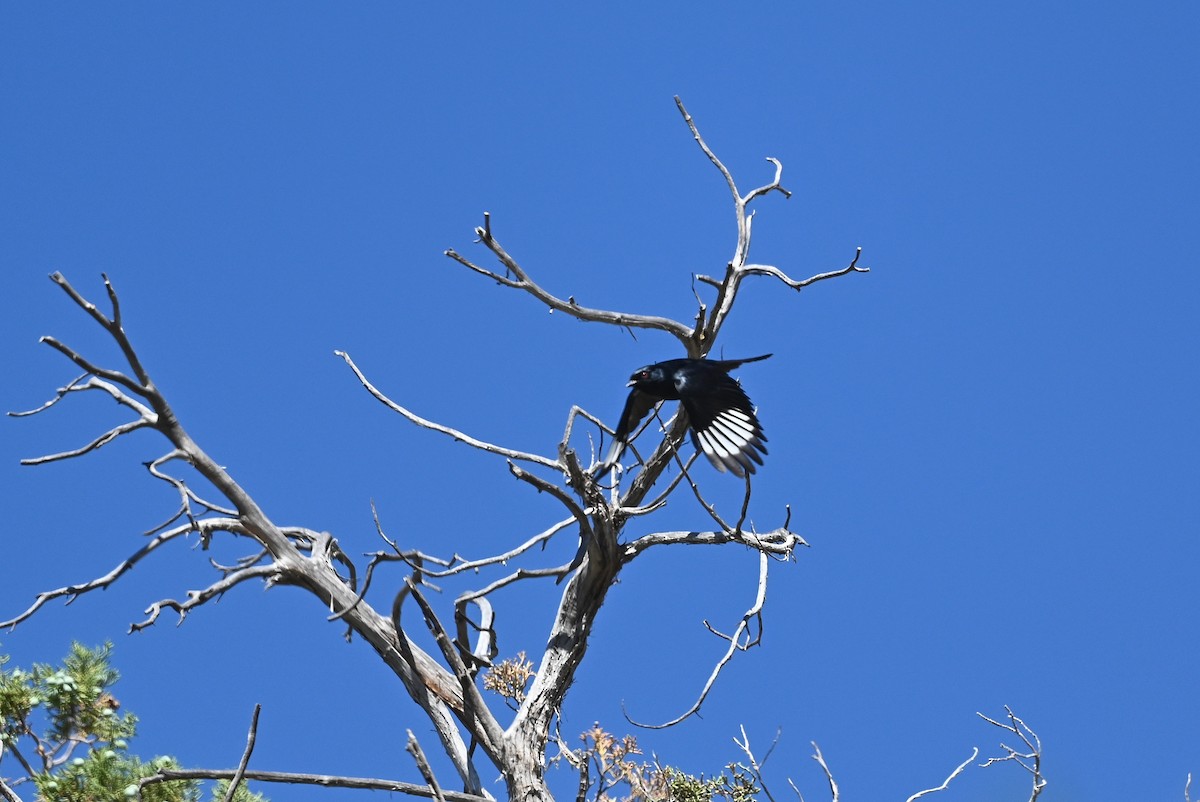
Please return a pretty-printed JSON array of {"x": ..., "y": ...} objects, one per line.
[{"x": 730, "y": 364}]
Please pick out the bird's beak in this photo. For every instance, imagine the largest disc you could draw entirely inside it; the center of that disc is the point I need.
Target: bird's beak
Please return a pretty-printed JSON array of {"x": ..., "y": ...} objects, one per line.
[{"x": 631, "y": 382}]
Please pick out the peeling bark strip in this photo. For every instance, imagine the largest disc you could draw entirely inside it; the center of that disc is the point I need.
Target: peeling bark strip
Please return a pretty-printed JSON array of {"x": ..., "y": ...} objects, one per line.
[{"x": 445, "y": 687}]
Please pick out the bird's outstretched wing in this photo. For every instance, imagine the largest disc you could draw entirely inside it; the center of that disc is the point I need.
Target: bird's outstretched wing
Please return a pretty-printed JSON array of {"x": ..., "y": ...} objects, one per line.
[
  {"x": 723, "y": 424},
  {"x": 637, "y": 406}
]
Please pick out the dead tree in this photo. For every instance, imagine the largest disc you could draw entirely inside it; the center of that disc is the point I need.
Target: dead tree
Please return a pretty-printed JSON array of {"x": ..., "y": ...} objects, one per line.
[{"x": 445, "y": 684}]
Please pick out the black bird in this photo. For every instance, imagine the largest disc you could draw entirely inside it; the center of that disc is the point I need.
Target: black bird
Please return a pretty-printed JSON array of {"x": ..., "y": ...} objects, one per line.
[{"x": 719, "y": 413}]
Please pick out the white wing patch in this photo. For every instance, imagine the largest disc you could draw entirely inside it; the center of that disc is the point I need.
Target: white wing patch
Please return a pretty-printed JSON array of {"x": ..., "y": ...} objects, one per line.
[
  {"x": 713, "y": 445},
  {"x": 734, "y": 422},
  {"x": 732, "y": 441},
  {"x": 725, "y": 442}
]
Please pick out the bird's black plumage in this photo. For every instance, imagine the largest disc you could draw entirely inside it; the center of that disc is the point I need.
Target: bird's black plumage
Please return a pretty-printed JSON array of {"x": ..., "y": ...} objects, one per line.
[{"x": 719, "y": 413}]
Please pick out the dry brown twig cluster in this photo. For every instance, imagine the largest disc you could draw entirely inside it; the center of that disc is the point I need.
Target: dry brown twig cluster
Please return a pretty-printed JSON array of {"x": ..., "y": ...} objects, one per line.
[{"x": 444, "y": 685}]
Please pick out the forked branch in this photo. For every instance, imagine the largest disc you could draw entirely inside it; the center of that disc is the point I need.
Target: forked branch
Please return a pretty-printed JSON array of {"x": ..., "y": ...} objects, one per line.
[
  {"x": 741, "y": 640},
  {"x": 72, "y": 592},
  {"x": 1028, "y": 758},
  {"x": 709, "y": 323},
  {"x": 517, "y": 278},
  {"x": 294, "y": 555}
]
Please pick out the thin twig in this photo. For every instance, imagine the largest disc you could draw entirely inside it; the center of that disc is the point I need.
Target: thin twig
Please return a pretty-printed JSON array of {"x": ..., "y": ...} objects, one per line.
[
  {"x": 833, "y": 787},
  {"x": 712, "y": 157},
  {"x": 946, "y": 783},
  {"x": 114, "y": 376},
  {"x": 195, "y": 598},
  {"x": 146, "y": 417},
  {"x": 59, "y": 395},
  {"x": 482, "y": 445},
  {"x": 414, "y": 749},
  {"x": 755, "y": 766},
  {"x": 735, "y": 645},
  {"x": 74, "y": 591},
  {"x": 519, "y": 574},
  {"x": 568, "y": 306},
  {"x": 471, "y": 565},
  {"x": 775, "y": 272},
  {"x": 231, "y": 791},
  {"x": 552, "y": 489}
]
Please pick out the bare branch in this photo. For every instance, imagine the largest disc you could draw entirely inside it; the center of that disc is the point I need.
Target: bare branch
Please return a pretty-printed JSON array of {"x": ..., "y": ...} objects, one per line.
[
  {"x": 482, "y": 445},
  {"x": 58, "y": 396},
  {"x": 745, "y": 508},
  {"x": 734, "y": 274},
  {"x": 661, "y": 500},
  {"x": 712, "y": 157},
  {"x": 414, "y": 559},
  {"x": 30, "y": 771},
  {"x": 424, "y": 682},
  {"x": 779, "y": 542},
  {"x": 519, "y": 574},
  {"x": 242, "y": 562},
  {"x": 569, "y": 306},
  {"x": 1030, "y": 760},
  {"x": 186, "y": 494},
  {"x": 946, "y": 783},
  {"x": 102, "y": 440},
  {"x": 76, "y": 590},
  {"x": 755, "y": 766},
  {"x": 485, "y": 647},
  {"x": 325, "y": 780},
  {"x": 833, "y": 787},
  {"x": 146, "y": 416},
  {"x": 8, "y": 794},
  {"x": 775, "y": 272},
  {"x": 709, "y": 508},
  {"x": 653, "y": 467},
  {"x": 245, "y": 761},
  {"x": 165, "y": 421},
  {"x": 113, "y": 327},
  {"x": 503, "y": 559},
  {"x": 736, "y": 644},
  {"x": 549, "y": 487},
  {"x": 773, "y": 186},
  {"x": 483, "y": 271},
  {"x": 195, "y": 598},
  {"x": 476, "y": 715},
  {"x": 114, "y": 376},
  {"x": 414, "y": 749},
  {"x": 737, "y": 269},
  {"x": 317, "y": 575},
  {"x": 580, "y": 412}
]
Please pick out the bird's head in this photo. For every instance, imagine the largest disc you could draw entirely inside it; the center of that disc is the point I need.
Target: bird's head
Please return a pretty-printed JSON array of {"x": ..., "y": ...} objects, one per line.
[{"x": 650, "y": 373}]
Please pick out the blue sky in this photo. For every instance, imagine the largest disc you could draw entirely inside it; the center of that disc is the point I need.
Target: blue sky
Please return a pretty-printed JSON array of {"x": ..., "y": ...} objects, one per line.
[{"x": 989, "y": 441}]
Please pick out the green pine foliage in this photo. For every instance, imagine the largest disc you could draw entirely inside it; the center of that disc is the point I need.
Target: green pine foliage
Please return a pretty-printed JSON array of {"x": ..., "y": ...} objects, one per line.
[{"x": 60, "y": 730}]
